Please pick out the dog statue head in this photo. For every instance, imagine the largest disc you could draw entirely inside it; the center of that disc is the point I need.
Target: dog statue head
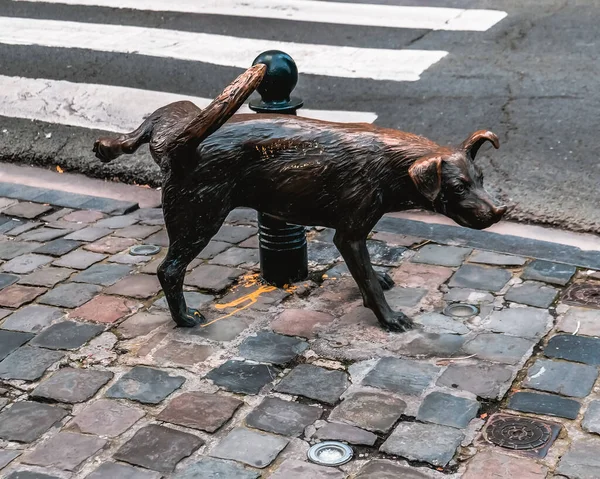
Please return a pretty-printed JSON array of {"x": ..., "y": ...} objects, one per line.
[{"x": 453, "y": 183}]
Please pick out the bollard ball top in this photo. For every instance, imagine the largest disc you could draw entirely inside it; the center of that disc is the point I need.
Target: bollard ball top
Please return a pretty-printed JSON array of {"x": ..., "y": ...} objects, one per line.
[{"x": 281, "y": 76}]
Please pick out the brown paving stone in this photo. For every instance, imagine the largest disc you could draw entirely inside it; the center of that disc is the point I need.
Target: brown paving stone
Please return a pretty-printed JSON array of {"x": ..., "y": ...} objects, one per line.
[
  {"x": 79, "y": 259},
  {"x": 152, "y": 266},
  {"x": 158, "y": 448},
  {"x": 136, "y": 286},
  {"x": 301, "y": 322},
  {"x": 493, "y": 464},
  {"x": 207, "y": 412},
  {"x": 251, "y": 242},
  {"x": 183, "y": 354},
  {"x": 65, "y": 450},
  {"x": 110, "y": 245},
  {"x": 417, "y": 275},
  {"x": 48, "y": 277},
  {"x": 26, "y": 263},
  {"x": 106, "y": 418},
  {"x": 84, "y": 216},
  {"x": 143, "y": 323},
  {"x": 16, "y": 295},
  {"x": 149, "y": 345},
  {"x": 136, "y": 231},
  {"x": 4, "y": 313},
  {"x": 72, "y": 385},
  {"x": 105, "y": 309},
  {"x": 27, "y": 210}
]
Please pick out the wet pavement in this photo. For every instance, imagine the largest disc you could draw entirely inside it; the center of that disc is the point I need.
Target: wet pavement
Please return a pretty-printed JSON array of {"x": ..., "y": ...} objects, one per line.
[{"x": 96, "y": 382}]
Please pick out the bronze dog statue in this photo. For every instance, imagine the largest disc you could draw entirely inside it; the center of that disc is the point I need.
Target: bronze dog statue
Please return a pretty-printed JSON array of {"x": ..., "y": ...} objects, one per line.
[{"x": 307, "y": 172}]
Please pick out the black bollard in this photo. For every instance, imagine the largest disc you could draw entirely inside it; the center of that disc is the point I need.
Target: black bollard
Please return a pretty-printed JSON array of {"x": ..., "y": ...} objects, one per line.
[{"x": 282, "y": 247}]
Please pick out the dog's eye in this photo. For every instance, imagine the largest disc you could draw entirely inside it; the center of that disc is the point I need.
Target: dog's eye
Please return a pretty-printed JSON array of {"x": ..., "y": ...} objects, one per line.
[{"x": 460, "y": 189}]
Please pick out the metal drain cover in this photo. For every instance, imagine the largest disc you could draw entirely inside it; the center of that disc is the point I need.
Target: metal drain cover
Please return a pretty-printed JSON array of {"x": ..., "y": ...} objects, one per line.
[
  {"x": 330, "y": 453},
  {"x": 521, "y": 433},
  {"x": 144, "y": 250},
  {"x": 583, "y": 294},
  {"x": 461, "y": 310}
]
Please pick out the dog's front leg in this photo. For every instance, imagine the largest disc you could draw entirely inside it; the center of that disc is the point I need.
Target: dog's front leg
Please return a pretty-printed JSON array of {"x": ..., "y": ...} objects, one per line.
[{"x": 357, "y": 259}]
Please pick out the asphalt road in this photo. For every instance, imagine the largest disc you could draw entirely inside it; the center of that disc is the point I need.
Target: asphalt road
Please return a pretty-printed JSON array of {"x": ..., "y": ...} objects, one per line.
[{"x": 533, "y": 78}]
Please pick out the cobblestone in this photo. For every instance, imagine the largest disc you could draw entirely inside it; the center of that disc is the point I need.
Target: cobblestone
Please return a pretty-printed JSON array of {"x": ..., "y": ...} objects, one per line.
[
  {"x": 525, "y": 322},
  {"x": 346, "y": 433},
  {"x": 257, "y": 449},
  {"x": 143, "y": 323},
  {"x": 183, "y": 354},
  {"x": 499, "y": 348},
  {"x": 66, "y": 451},
  {"x": 28, "y": 363},
  {"x": 26, "y": 421},
  {"x": 382, "y": 469},
  {"x": 112, "y": 470},
  {"x": 585, "y": 321},
  {"x": 549, "y": 272},
  {"x": 568, "y": 379},
  {"x": 581, "y": 349},
  {"x": 11, "y": 340},
  {"x": 104, "y": 309},
  {"x": 548, "y": 404},
  {"x": 447, "y": 410},
  {"x": 79, "y": 259},
  {"x": 441, "y": 255},
  {"x": 210, "y": 468},
  {"x": 496, "y": 259},
  {"x": 532, "y": 293},
  {"x": 145, "y": 385},
  {"x": 26, "y": 263},
  {"x": 591, "y": 420},
  {"x": 479, "y": 277},
  {"x": 72, "y": 385},
  {"x": 272, "y": 348},
  {"x": 242, "y": 377},
  {"x": 110, "y": 245},
  {"x": 315, "y": 383},
  {"x": 32, "y": 319},
  {"x": 91, "y": 233},
  {"x": 16, "y": 295},
  {"x": 67, "y": 335},
  {"x": 401, "y": 376},
  {"x": 102, "y": 274},
  {"x": 294, "y": 469},
  {"x": 106, "y": 418},
  {"x": 212, "y": 277},
  {"x": 581, "y": 460},
  {"x": 70, "y": 295},
  {"x": 301, "y": 322},
  {"x": 486, "y": 380},
  {"x": 58, "y": 247},
  {"x": 287, "y": 418},
  {"x": 501, "y": 466},
  {"x": 47, "y": 277}
]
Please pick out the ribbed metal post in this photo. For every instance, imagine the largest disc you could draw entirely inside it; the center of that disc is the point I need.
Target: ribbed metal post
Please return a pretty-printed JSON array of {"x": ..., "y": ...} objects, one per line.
[{"x": 282, "y": 246}]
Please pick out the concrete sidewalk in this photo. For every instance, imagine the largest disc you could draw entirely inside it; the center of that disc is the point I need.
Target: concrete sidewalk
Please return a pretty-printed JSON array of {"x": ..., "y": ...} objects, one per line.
[{"x": 96, "y": 382}]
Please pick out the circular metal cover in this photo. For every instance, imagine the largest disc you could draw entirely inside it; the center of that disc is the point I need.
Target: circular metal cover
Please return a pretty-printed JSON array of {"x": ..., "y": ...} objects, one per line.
[
  {"x": 461, "y": 310},
  {"x": 518, "y": 433},
  {"x": 144, "y": 250},
  {"x": 330, "y": 453},
  {"x": 583, "y": 294}
]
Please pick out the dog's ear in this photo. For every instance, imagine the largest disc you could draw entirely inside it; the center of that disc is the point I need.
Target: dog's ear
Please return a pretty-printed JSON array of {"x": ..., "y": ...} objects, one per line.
[
  {"x": 426, "y": 174},
  {"x": 472, "y": 144}
]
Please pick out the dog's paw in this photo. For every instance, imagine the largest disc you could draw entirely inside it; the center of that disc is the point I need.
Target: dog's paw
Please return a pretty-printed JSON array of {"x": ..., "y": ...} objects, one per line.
[
  {"x": 385, "y": 280},
  {"x": 191, "y": 319},
  {"x": 398, "y": 323},
  {"x": 104, "y": 150}
]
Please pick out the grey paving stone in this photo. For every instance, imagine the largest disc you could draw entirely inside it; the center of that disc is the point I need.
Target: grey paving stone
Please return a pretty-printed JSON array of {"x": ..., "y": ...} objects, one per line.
[
  {"x": 116, "y": 222},
  {"x": 72, "y": 385},
  {"x": 496, "y": 259},
  {"x": 7, "y": 456},
  {"x": 548, "y": 272},
  {"x": 426, "y": 344},
  {"x": 65, "y": 450},
  {"x": 213, "y": 248},
  {"x": 21, "y": 474},
  {"x": 48, "y": 277},
  {"x": 547, "y": 404},
  {"x": 315, "y": 383},
  {"x": 322, "y": 253},
  {"x": 525, "y": 322},
  {"x": 583, "y": 320},
  {"x": 581, "y": 349},
  {"x": 480, "y": 277},
  {"x": 70, "y": 295},
  {"x": 399, "y": 297},
  {"x": 137, "y": 231},
  {"x": 32, "y": 318},
  {"x": 212, "y": 277},
  {"x": 158, "y": 239},
  {"x": 145, "y": 385},
  {"x": 272, "y": 348},
  {"x": 591, "y": 420},
  {"x": 28, "y": 363},
  {"x": 79, "y": 259},
  {"x": 287, "y": 418},
  {"x": 242, "y": 216},
  {"x": 112, "y": 470},
  {"x": 568, "y": 379},
  {"x": 234, "y": 234},
  {"x": 295, "y": 469},
  {"x": 209, "y": 468},
  {"x": 90, "y": 233},
  {"x": 106, "y": 418},
  {"x": 67, "y": 335},
  {"x": 12, "y": 249},
  {"x": 382, "y": 469},
  {"x": 143, "y": 323},
  {"x": 532, "y": 293},
  {"x": 441, "y": 323},
  {"x": 242, "y": 377},
  {"x": 243, "y": 257},
  {"x": 441, "y": 255},
  {"x": 27, "y": 210},
  {"x": 193, "y": 300},
  {"x": 373, "y": 411},
  {"x": 257, "y": 449},
  {"x": 157, "y": 447},
  {"x": 58, "y": 247},
  {"x": 382, "y": 254},
  {"x": 430, "y": 443},
  {"x": 7, "y": 279},
  {"x": 22, "y": 227},
  {"x": 207, "y": 412},
  {"x": 346, "y": 433},
  {"x": 26, "y": 421},
  {"x": 11, "y": 340},
  {"x": 401, "y": 376},
  {"x": 224, "y": 330},
  {"x": 499, "y": 347},
  {"x": 486, "y": 380},
  {"x": 44, "y": 234},
  {"x": 103, "y": 274},
  {"x": 447, "y": 410},
  {"x": 582, "y": 460},
  {"x": 26, "y": 263}
]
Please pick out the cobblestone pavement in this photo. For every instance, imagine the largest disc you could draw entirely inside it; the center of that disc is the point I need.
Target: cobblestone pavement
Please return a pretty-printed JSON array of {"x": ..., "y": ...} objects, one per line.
[{"x": 97, "y": 383}]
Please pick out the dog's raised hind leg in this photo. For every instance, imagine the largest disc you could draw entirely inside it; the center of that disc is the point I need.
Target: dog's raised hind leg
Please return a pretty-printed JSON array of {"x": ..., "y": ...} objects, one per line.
[{"x": 357, "y": 259}]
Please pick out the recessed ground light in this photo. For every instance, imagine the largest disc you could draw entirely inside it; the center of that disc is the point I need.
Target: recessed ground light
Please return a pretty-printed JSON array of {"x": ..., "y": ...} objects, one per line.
[
  {"x": 330, "y": 453},
  {"x": 144, "y": 250},
  {"x": 461, "y": 310}
]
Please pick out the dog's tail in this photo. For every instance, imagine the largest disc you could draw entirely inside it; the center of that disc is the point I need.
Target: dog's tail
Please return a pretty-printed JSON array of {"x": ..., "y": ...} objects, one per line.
[{"x": 196, "y": 131}]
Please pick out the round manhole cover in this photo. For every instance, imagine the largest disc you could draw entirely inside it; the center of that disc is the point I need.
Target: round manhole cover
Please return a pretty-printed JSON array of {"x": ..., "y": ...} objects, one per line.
[
  {"x": 330, "y": 453},
  {"x": 144, "y": 250},
  {"x": 518, "y": 433},
  {"x": 584, "y": 294},
  {"x": 461, "y": 310}
]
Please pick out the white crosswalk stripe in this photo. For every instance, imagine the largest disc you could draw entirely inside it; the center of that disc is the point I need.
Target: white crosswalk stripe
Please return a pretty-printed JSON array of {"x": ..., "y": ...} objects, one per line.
[{"x": 89, "y": 104}]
